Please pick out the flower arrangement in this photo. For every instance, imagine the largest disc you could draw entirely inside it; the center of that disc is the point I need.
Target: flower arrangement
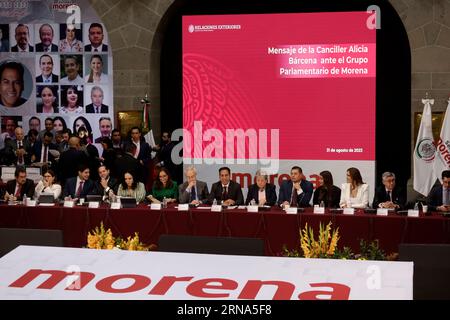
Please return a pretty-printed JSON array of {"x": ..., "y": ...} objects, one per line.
[
  {"x": 326, "y": 247},
  {"x": 103, "y": 239}
]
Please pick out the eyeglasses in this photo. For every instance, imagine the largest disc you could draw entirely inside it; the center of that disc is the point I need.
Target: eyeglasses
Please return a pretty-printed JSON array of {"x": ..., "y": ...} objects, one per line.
[{"x": 47, "y": 176}]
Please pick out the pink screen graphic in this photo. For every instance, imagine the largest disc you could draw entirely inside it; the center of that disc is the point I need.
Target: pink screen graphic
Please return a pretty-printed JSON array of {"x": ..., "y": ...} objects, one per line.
[{"x": 309, "y": 75}]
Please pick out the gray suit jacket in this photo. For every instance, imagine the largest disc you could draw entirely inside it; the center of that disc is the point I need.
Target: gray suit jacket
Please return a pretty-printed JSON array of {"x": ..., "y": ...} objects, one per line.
[{"x": 202, "y": 192}]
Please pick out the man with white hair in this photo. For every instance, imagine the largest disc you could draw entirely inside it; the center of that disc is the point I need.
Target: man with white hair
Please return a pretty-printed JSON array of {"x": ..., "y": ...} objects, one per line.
[
  {"x": 388, "y": 195},
  {"x": 18, "y": 150},
  {"x": 192, "y": 191},
  {"x": 262, "y": 192}
]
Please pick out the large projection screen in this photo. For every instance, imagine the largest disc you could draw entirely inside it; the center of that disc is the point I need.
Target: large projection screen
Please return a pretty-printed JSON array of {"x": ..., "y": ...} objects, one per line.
[{"x": 272, "y": 91}]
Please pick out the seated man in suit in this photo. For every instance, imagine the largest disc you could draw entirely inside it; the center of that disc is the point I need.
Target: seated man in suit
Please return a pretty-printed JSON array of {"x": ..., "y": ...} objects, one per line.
[
  {"x": 226, "y": 191},
  {"x": 439, "y": 197},
  {"x": 389, "y": 195},
  {"x": 80, "y": 186},
  {"x": 106, "y": 184},
  {"x": 41, "y": 150},
  {"x": 262, "y": 192},
  {"x": 19, "y": 187},
  {"x": 18, "y": 150},
  {"x": 192, "y": 191},
  {"x": 296, "y": 192}
]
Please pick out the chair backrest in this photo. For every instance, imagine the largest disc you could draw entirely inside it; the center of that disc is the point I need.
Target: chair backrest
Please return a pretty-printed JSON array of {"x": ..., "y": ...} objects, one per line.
[
  {"x": 12, "y": 238},
  {"x": 431, "y": 269},
  {"x": 213, "y": 245}
]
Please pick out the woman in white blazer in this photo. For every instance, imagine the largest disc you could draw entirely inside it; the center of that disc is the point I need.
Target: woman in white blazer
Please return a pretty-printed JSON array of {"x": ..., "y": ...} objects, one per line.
[
  {"x": 355, "y": 193},
  {"x": 48, "y": 185}
]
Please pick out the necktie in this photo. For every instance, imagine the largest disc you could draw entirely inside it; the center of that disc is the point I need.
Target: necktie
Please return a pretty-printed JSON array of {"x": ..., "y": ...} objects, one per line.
[
  {"x": 225, "y": 193},
  {"x": 19, "y": 189},
  {"x": 193, "y": 194},
  {"x": 293, "y": 197},
  {"x": 80, "y": 188},
  {"x": 96, "y": 50},
  {"x": 44, "y": 157},
  {"x": 389, "y": 195},
  {"x": 20, "y": 158},
  {"x": 47, "y": 80},
  {"x": 97, "y": 108}
]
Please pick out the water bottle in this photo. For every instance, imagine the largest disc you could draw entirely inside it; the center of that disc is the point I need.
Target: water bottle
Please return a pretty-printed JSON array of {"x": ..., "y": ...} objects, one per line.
[
  {"x": 215, "y": 202},
  {"x": 164, "y": 202},
  {"x": 253, "y": 202},
  {"x": 322, "y": 204},
  {"x": 416, "y": 206}
]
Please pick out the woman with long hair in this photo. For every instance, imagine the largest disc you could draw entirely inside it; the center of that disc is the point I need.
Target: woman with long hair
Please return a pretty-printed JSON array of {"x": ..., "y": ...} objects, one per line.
[
  {"x": 96, "y": 74},
  {"x": 48, "y": 185},
  {"x": 164, "y": 187},
  {"x": 327, "y": 192},
  {"x": 59, "y": 124},
  {"x": 355, "y": 193},
  {"x": 130, "y": 187}
]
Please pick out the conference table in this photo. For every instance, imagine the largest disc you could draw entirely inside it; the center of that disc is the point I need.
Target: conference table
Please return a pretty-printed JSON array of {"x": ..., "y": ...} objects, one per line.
[{"x": 276, "y": 227}]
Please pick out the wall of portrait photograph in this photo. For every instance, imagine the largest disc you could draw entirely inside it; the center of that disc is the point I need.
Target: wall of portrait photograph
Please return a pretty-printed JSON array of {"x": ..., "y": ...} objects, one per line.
[{"x": 50, "y": 68}]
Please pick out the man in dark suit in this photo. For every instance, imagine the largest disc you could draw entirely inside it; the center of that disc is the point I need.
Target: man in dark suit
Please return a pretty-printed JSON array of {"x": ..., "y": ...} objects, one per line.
[
  {"x": 46, "y": 35},
  {"x": 18, "y": 150},
  {"x": 46, "y": 66},
  {"x": 80, "y": 186},
  {"x": 96, "y": 39},
  {"x": 22, "y": 35},
  {"x": 192, "y": 191},
  {"x": 439, "y": 197},
  {"x": 128, "y": 163},
  {"x": 389, "y": 195},
  {"x": 97, "y": 105},
  {"x": 71, "y": 159},
  {"x": 226, "y": 191},
  {"x": 16, "y": 189},
  {"x": 297, "y": 191},
  {"x": 262, "y": 192},
  {"x": 143, "y": 152},
  {"x": 41, "y": 149},
  {"x": 106, "y": 182}
]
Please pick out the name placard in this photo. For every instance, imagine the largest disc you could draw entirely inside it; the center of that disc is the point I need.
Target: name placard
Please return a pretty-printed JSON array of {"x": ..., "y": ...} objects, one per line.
[
  {"x": 291, "y": 210},
  {"x": 319, "y": 210},
  {"x": 413, "y": 213},
  {"x": 94, "y": 204},
  {"x": 382, "y": 212},
  {"x": 155, "y": 206},
  {"x": 216, "y": 208},
  {"x": 183, "y": 207},
  {"x": 349, "y": 210},
  {"x": 115, "y": 205},
  {"x": 31, "y": 203},
  {"x": 252, "y": 208},
  {"x": 69, "y": 204}
]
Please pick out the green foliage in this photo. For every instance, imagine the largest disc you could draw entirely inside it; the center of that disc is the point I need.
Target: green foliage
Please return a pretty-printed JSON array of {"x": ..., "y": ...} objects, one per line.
[
  {"x": 371, "y": 251},
  {"x": 368, "y": 251}
]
